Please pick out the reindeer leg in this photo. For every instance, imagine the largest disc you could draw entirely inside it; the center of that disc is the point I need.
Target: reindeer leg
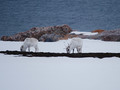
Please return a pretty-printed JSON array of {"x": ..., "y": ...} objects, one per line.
[
  {"x": 79, "y": 50},
  {"x": 73, "y": 50},
  {"x": 36, "y": 48},
  {"x": 28, "y": 49}
]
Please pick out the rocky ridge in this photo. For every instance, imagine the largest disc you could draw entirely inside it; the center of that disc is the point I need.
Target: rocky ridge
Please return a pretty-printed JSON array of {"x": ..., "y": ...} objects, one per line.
[
  {"x": 51, "y": 33},
  {"x": 55, "y": 33}
]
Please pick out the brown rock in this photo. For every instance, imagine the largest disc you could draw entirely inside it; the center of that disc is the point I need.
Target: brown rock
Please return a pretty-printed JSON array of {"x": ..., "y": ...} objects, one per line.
[
  {"x": 110, "y": 35},
  {"x": 37, "y": 32},
  {"x": 98, "y": 31},
  {"x": 111, "y": 38},
  {"x": 68, "y": 36}
]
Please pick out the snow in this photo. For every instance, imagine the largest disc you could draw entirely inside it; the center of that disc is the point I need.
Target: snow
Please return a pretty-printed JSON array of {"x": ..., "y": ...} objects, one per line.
[
  {"x": 60, "y": 73},
  {"x": 84, "y": 33},
  {"x": 59, "y": 46}
]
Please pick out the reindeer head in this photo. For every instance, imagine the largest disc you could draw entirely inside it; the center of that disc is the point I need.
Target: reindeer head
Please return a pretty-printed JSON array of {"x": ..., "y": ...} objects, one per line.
[
  {"x": 21, "y": 48},
  {"x": 68, "y": 49}
]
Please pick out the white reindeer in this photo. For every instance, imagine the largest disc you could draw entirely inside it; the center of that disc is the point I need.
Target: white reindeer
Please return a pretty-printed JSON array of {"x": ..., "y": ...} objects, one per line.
[
  {"x": 30, "y": 42},
  {"x": 75, "y": 43}
]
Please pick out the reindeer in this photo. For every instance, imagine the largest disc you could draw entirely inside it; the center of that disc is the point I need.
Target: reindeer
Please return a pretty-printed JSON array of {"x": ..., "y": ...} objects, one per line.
[
  {"x": 75, "y": 43},
  {"x": 30, "y": 42}
]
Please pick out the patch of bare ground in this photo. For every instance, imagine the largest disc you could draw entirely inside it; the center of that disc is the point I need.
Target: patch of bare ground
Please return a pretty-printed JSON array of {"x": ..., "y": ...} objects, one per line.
[{"x": 72, "y": 55}]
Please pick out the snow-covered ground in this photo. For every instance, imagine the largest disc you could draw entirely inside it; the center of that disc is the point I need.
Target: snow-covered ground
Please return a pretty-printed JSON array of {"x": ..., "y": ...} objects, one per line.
[
  {"x": 84, "y": 33},
  {"x": 60, "y": 73},
  {"x": 59, "y": 46}
]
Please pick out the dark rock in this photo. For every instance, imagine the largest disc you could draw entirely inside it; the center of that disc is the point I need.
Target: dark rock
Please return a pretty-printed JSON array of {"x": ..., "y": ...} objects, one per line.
[
  {"x": 112, "y": 35},
  {"x": 37, "y": 32},
  {"x": 49, "y": 37},
  {"x": 110, "y": 38}
]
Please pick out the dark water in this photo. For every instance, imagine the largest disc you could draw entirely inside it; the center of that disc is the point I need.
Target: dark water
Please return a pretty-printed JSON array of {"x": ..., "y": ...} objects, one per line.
[{"x": 84, "y": 15}]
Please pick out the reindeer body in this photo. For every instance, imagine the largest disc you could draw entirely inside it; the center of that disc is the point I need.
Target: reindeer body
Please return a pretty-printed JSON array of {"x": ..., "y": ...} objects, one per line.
[
  {"x": 76, "y": 43},
  {"x": 30, "y": 42}
]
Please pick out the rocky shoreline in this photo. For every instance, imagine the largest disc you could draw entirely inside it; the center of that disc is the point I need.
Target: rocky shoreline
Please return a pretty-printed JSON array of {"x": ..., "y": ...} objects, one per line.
[{"x": 60, "y": 32}]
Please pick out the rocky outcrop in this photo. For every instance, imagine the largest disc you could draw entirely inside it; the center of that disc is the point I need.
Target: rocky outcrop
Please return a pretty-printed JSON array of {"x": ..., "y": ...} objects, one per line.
[
  {"x": 54, "y": 33},
  {"x": 51, "y": 33},
  {"x": 111, "y": 35}
]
